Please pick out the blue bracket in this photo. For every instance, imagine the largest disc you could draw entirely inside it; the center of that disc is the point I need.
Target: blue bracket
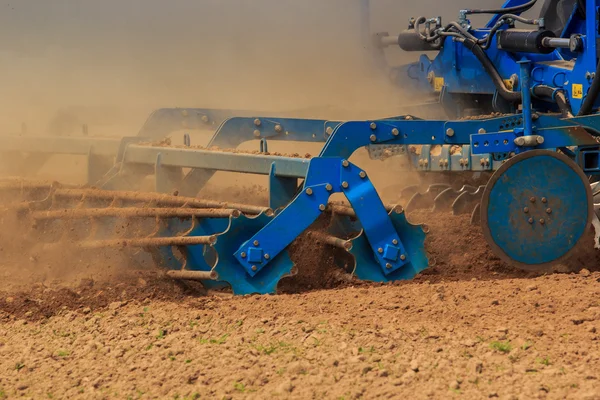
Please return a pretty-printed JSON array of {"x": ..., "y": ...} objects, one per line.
[
  {"x": 281, "y": 189},
  {"x": 325, "y": 177},
  {"x": 484, "y": 143}
]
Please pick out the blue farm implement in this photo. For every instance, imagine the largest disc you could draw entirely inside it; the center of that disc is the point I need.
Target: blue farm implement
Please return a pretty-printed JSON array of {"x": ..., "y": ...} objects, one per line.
[{"x": 522, "y": 108}]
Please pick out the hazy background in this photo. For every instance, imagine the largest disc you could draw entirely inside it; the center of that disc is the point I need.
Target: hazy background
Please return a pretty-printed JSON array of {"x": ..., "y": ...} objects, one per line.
[{"x": 122, "y": 58}]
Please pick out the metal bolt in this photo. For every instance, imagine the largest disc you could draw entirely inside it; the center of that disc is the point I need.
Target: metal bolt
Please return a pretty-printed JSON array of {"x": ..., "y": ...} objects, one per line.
[
  {"x": 388, "y": 266},
  {"x": 548, "y": 211},
  {"x": 408, "y": 118},
  {"x": 441, "y": 163},
  {"x": 481, "y": 130},
  {"x": 395, "y": 241},
  {"x": 530, "y": 220},
  {"x": 256, "y": 133},
  {"x": 373, "y": 125},
  {"x": 345, "y": 163},
  {"x": 254, "y": 268},
  {"x": 542, "y": 221},
  {"x": 204, "y": 119},
  {"x": 329, "y": 130},
  {"x": 322, "y": 207},
  {"x": 243, "y": 254},
  {"x": 345, "y": 185},
  {"x": 329, "y": 187},
  {"x": 256, "y": 243},
  {"x": 544, "y": 200},
  {"x": 402, "y": 257},
  {"x": 482, "y": 162},
  {"x": 446, "y": 163},
  {"x": 532, "y": 199},
  {"x": 420, "y": 162},
  {"x": 450, "y": 132},
  {"x": 362, "y": 174},
  {"x": 309, "y": 191},
  {"x": 278, "y": 128},
  {"x": 395, "y": 132},
  {"x": 380, "y": 250},
  {"x": 257, "y": 122},
  {"x": 373, "y": 138},
  {"x": 267, "y": 256},
  {"x": 426, "y": 162},
  {"x": 526, "y": 210}
]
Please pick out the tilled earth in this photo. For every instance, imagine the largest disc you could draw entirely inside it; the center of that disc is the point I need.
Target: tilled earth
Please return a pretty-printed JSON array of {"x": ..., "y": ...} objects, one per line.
[{"x": 468, "y": 327}]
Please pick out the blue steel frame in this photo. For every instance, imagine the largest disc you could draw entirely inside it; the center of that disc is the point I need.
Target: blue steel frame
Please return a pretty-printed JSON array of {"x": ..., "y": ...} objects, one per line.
[{"x": 463, "y": 74}]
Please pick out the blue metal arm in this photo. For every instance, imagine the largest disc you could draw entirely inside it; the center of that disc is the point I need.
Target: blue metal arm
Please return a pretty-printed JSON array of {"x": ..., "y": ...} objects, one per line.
[{"x": 327, "y": 176}]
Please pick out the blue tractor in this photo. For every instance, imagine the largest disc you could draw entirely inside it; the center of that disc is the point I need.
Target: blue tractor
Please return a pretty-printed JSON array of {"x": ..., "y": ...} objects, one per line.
[{"x": 520, "y": 97}]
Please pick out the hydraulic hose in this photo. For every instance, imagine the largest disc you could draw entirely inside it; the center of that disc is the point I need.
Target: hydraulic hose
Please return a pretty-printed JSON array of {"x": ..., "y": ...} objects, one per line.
[
  {"x": 592, "y": 95},
  {"x": 509, "y": 10},
  {"x": 513, "y": 97}
]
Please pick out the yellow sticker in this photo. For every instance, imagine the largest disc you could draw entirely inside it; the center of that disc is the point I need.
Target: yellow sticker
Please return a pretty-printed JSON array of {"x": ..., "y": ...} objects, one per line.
[
  {"x": 577, "y": 91},
  {"x": 509, "y": 84},
  {"x": 438, "y": 84}
]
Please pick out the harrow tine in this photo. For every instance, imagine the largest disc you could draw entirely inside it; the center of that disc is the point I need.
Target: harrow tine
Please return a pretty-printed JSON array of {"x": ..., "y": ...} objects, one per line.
[
  {"x": 150, "y": 242},
  {"x": 132, "y": 212},
  {"x": 332, "y": 240},
  {"x": 426, "y": 200},
  {"x": 194, "y": 275},
  {"x": 476, "y": 214},
  {"x": 444, "y": 200},
  {"x": 161, "y": 200},
  {"x": 466, "y": 201}
]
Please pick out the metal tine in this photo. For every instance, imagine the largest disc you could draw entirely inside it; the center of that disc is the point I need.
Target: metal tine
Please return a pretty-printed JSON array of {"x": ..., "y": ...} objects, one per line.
[
  {"x": 150, "y": 242},
  {"x": 332, "y": 240},
  {"x": 163, "y": 199},
  {"x": 349, "y": 211},
  {"x": 133, "y": 212},
  {"x": 194, "y": 275}
]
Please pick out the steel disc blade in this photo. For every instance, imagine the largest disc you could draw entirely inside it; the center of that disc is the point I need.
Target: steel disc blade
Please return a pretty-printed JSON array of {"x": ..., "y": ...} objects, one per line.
[{"x": 536, "y": 209}]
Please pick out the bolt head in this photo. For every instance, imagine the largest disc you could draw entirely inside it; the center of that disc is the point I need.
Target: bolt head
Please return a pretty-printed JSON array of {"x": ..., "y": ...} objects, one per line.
[
  {"x": 256, "y": 243},
  {"x": 328, "y": 187},
  {"x": 403, "y": 257},
  {"x": 373, "y": 125},
  {"x": 395, "y": 241},
  {"x": 526, "y": 210},
  {"x": 380, "y": 250},
  {"x": 388, "y": 266},
  {"x": 345, "y": 185},
  {"x": 278, "y": 128},
  {"x": 530, "y": 220},
  {"x": 481, "y": 130},
  {"x": 373, "y": 138},
  {"x": 322, "y": 207},
  {"x": 395, "y": 132},
  {"x": 309, "y": 191},
  {"x": 544, "y": 200},
  {"x": 362, "y": 174},
  {"x": 204, "y": 118},
  {"x": 345, "y": 163},
  {"x": 267, "y": 256},
  {"x": 243, "y": 254},
  {"x": 532, "y": 199},
  {"x": 450, "y": 132},
  {"x": 256, "y": 133},
  {"x": 548, "y": 211},
  {"x": 254, "y": 268},
  {"x": 482, "y": 162},
  {"x": 408, "y": 118},
  {"x": 257, "y": 122},
  {"x": 542, "y": 221},
  {"x": 329, "y": 130}
]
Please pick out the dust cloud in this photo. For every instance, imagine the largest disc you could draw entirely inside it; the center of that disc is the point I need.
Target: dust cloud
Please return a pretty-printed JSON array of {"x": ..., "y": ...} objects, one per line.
[{"x": 109, "y": 63}]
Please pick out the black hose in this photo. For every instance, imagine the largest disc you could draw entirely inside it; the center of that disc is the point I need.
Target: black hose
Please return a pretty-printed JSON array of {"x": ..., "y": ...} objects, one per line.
[
  {"x": 558, "y": 96},
  {"x": 592, "y": 94},
  {"x": 492, "y": 72},
  {"x": 510, "y": 96},
  {"x": 509, "y": 10}
]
